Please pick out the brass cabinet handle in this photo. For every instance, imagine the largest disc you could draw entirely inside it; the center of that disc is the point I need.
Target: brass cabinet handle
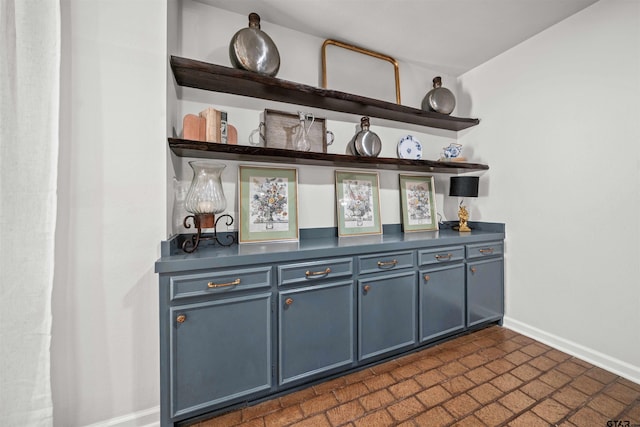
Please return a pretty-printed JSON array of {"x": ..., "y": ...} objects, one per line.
[
  {"x": 288, "y": 301},
  {"x": 181, "y": 318},
  {"x": 427, "y": 277},
  {"x": 447, "y": 256},
  {"x": 366, "y": 288},
  {"x": 486, "y": 251},
  {"x": 387, "y": 263},
  {"x": 222, "y": 285},
  {"x": 473, "y": 269},
  {"x": 317, "y": 273}
]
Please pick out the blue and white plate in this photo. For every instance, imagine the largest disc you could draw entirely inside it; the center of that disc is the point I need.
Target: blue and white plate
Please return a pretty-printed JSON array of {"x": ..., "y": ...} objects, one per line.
[{"x": 409, "y": 148}]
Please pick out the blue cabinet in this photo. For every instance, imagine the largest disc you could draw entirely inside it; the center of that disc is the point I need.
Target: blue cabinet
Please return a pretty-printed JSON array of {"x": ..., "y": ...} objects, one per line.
[
  {"x": 220, "y": 352},
  {"x": 239, "y": 324},
  {"x": 316, "y": 332},
  {"x": 485, "y": 295},
  {"x": 485, "y": 283},
  {"x": 442, "y": 301},
  {"x": 442, "y": 292},
  {"x": 386, "y": 313}
]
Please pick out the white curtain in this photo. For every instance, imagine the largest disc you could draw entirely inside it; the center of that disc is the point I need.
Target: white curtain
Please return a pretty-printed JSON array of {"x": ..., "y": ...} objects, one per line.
[{"x": 29, "y": 106}]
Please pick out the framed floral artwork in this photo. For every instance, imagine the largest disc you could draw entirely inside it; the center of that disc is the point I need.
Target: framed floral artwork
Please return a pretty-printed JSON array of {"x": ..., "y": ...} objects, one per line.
[
  {"x": 417, "y": 196},
  {"x": 268, "y": 199},
  {"x": 358, "y": 203}
]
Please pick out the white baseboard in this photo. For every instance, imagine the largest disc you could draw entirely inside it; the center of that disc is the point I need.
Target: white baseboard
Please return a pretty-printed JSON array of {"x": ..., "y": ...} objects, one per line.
[
  {"x": 604, "y": 361},
  {"x": 146, "y": 418}
]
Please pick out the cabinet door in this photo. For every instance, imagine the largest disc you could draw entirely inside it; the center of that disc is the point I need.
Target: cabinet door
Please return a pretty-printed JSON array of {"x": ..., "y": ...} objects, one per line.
[
  {"x": 442, "y": 301},
  {"x": 386, "y": 313},
  {"x": 220, "y": 351},
  {"x": 316, "y": 332},
  {"x": 485, "y": 291}
]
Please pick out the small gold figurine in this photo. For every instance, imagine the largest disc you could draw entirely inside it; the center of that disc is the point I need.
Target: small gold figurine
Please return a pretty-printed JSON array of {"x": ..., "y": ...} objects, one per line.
[{"x": 463, "y": 216}]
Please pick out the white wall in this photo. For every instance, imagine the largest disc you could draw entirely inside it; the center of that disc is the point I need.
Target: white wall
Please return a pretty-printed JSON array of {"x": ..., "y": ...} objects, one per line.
[
  {"x": 112, "y": 201},
  {"x": 560, "y": 130}
]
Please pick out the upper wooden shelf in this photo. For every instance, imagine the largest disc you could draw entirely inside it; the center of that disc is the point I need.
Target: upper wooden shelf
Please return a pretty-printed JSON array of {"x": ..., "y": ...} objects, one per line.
[
  {"x": 202, "y": 75},
  {"x": 186, "y": 148}
]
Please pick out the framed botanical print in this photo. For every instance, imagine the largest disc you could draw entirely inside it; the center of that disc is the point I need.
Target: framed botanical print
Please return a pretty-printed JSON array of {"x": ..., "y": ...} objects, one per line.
[
  {"x": 268, "y": 199},
  {"x": 417, "y": 196},
  {"x": 358, "y": 203}
]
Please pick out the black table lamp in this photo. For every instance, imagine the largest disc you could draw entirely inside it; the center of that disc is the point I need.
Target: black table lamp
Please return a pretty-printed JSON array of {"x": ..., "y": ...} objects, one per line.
[{"x": 463, "y": 186}]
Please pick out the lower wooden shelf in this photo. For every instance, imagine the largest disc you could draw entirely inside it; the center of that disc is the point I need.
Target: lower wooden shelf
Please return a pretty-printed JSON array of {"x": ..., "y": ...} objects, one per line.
[{"x": 198, "y": 149}]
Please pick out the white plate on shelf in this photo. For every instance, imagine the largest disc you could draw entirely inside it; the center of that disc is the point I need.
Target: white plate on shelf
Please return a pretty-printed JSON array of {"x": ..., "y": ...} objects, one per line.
[{"x": 409, "y": 148}]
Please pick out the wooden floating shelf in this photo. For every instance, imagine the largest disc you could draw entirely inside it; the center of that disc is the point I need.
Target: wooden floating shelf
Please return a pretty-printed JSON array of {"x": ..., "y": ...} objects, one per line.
[
  {"x": 198, "y": 149},
  {"x": 206, "y": 76}
]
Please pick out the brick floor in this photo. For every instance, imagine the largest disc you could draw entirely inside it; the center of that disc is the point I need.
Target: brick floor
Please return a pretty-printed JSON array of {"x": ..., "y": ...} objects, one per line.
[{"x": 492, "y": 377}]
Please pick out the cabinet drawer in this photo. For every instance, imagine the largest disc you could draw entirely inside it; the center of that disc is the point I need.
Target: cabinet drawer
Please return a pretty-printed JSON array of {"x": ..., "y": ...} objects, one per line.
[
  {"x": 440, "y": 255},
  {"x": 385, "y": 261},
  {"x": 218, "y": 282},
  {"x": 306, "y": 272},
  {"x": 482, "y": 250}
]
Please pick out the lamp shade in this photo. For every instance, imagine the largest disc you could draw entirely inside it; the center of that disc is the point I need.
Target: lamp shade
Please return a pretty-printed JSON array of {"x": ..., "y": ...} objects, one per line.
[{"x": 464, "y": 186}]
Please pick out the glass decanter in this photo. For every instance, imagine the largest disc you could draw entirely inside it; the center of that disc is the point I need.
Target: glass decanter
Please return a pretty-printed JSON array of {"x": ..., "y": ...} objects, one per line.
[{"x": 302, "y": 142}]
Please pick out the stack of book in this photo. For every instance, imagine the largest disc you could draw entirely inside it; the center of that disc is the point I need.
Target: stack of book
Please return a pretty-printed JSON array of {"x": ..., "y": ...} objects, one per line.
[{"x": 209, "y": 126}]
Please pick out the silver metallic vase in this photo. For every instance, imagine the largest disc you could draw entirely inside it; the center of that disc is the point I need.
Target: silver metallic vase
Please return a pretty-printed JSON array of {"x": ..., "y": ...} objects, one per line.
[
  {"x": 367, "y": 143},
  {"x": 252, "y": 49},
  {"x": 439, "y": 99}
]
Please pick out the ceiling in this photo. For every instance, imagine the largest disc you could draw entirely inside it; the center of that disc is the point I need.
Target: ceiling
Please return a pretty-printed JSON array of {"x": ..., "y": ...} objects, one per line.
[{"x": 452, "y": 36}]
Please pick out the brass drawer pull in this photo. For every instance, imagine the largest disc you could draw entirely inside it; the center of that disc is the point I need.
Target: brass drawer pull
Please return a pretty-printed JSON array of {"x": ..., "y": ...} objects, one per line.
[
  {"x": 473, "y": 269},
  {"x": 223, "y": 285},
  {"x": 366, "y": 288},
  {"x": 486, "y": 251},
  {"x": 317, "y": 273},
  {"x": 288, "y": 301},
  {"x": 427, "y": 277},
  {"x": 388, "y": 263},
  {"x": 447, "y": 256},
  {"x": 181, "y": 318}
]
